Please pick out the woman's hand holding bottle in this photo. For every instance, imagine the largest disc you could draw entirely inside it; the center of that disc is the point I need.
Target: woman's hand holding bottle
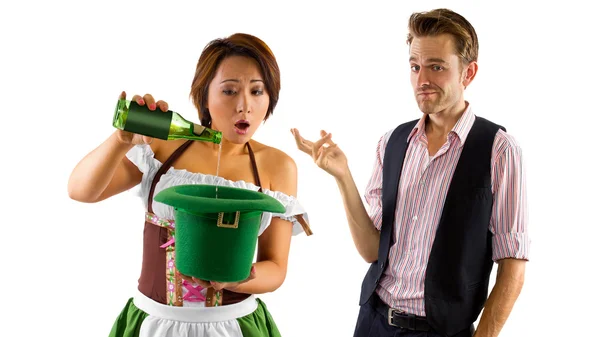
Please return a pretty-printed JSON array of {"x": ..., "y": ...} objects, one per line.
[{"x": 126, "y": 137}]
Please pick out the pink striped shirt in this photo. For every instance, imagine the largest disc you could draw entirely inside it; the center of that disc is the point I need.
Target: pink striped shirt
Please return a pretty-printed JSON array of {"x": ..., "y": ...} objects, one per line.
[{"x": 423, "y": 187}]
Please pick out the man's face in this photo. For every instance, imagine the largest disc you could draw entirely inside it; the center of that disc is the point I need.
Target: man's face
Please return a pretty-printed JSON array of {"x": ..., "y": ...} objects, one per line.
[{"x": 438, "y": 75}]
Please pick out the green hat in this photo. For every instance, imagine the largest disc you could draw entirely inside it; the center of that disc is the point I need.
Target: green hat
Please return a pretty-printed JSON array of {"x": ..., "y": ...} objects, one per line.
[{"x": 216, "y": 229}]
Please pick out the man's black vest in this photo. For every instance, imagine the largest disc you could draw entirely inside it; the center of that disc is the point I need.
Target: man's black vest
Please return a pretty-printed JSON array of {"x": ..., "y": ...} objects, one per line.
[{"x": 459, "y": 267}]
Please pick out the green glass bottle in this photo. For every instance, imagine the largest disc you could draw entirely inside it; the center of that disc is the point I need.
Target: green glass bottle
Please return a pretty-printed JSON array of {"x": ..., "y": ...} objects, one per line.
[{"x": 169, "y": 125}]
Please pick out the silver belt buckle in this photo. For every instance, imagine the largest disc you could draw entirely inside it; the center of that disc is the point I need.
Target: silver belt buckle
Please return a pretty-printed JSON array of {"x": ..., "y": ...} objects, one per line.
[{"x": 391, "y": 314}]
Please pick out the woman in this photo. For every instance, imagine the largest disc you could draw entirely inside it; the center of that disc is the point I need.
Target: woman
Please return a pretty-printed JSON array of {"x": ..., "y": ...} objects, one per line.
[{"x": 235, "y": 88}]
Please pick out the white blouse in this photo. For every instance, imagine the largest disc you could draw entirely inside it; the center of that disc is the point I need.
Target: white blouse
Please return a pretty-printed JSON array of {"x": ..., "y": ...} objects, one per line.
[{"x": 143, "y": 157}]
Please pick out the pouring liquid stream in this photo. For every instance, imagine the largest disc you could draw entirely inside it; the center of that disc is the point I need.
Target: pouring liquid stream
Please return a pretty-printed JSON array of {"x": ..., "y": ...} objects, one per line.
[{"x": 218, "y": 164}]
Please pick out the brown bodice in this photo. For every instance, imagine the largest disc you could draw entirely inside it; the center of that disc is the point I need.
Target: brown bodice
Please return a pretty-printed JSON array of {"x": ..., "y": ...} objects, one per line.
[{"x": 153, "y": 280}]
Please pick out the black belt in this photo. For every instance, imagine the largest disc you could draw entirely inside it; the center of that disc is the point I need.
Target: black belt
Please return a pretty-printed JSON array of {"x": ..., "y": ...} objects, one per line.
[{"x": 398, "y": 318}]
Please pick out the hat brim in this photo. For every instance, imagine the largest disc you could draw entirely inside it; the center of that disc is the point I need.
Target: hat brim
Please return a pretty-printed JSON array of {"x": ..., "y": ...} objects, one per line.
[{"x": 206, "y": 199}]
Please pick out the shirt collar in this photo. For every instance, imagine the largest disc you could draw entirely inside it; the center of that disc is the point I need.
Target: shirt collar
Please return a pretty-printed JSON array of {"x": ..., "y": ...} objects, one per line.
[{"x": 460, "y": 129}]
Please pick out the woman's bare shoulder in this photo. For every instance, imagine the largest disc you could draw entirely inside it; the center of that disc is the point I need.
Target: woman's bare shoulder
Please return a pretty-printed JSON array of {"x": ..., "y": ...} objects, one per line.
[
  {"x": 163, "y": 149},
  {"x": 277, "y": 164},
  {"x": 271, "y": 155}
]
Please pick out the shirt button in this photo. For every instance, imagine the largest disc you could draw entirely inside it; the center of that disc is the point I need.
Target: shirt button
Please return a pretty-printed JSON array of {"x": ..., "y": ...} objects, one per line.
[{"x": 415, "y": 218}]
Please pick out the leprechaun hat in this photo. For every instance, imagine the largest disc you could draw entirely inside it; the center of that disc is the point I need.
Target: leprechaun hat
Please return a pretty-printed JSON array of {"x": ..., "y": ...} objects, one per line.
[{"x": 216, "y": 229}]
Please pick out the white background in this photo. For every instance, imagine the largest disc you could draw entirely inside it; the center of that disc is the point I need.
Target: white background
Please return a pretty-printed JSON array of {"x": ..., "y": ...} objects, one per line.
[{"x": 70, "y": 267}]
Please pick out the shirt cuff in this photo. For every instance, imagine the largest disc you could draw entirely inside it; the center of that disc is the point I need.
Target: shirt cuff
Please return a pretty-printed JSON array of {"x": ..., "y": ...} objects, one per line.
[
  {"x": 376, "y": 217},
  {"x": 510, "y": 245}
]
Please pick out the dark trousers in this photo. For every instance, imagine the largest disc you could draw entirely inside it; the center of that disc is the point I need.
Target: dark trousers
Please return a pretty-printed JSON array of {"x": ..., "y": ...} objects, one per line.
[{"x": 371, "y": 323}]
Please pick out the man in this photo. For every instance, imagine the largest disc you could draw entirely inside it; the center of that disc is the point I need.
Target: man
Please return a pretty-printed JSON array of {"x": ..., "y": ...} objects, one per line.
[{"x": 446, "y": 199}]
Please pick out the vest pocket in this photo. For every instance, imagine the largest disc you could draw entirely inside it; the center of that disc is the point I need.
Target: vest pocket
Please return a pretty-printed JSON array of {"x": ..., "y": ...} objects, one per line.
[
  {"x": 479, "y": 193},
  {"x": 475, "y": 285}
]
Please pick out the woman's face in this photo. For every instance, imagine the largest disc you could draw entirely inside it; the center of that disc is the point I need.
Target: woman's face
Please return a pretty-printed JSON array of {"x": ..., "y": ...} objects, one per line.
[{"x": 237, "y": 99}]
